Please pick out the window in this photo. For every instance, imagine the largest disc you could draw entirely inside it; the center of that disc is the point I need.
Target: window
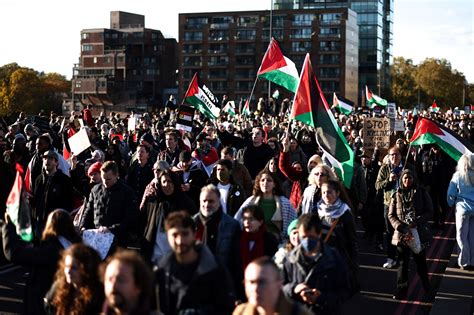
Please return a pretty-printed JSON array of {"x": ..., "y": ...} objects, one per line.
[
  {"x": 192, "y": 61},
  {"x": 218, "y": 61},
  {"x": 218, "y": 35},
  {"x": 247, "y": 20},
  {"x": 86, "y": 47},
  {"x": 329, "y": 31},
  {"x": 245, "y": 48},
  {"x": 196, "y": 22},
  {"x": 329, "y": 59},
  {"x": 217, "y": 48},
  {"x": 245, "y": 60},
  {"x": 303, "y": 19},
  {"x": 245, "y": 35},
  {"x": 324, "y": 72},
  {"x": 277, "y": 34},
  {"x": 192, "y": 48},
  {"x": 300, "y": 33},
  {"x": 193, "y": 36},
  {"x": 329, "y": 46},
  {"x": 85, "y": 35},
  {"x": 301, "y": 46}
]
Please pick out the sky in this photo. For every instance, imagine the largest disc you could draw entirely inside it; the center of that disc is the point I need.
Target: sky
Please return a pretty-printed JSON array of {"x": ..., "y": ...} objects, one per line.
[{"x": 45, "y": 35}]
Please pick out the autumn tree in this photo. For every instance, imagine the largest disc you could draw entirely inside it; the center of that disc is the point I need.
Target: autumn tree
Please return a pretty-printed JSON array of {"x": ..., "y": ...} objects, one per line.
[
  {"x": 432, "y": 79},
  {"x": 24, "y": 89}
]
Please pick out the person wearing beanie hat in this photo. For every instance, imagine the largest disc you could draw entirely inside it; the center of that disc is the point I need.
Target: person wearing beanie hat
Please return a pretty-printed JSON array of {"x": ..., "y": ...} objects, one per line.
[
  {"x": 94, "y": 173},
  {"x": 293, "y": 241}
]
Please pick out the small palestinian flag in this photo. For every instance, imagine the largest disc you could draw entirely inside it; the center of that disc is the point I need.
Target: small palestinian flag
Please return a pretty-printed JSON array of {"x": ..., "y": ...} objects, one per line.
[
  {"x": 246, "y": 109},
  {"x": 374, "y": 100},
  {"x": 428, "y": 131},
  {"x": 434, "y": 107},
  {"x": 276, "y": 94},
  {"x": 202, "y": 98},
  {"x": 277, "y": 68},
  {"x": 311, "y": 108},
  {"x": 342, "y": 104},
  {"x": 18, "y": 208},
  {"x": 229, "y": 108}
]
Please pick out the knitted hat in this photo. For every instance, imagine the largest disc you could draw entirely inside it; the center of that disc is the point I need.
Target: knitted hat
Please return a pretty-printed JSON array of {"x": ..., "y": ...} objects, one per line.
[
  {"x": 94, "y": 168},
  {"x": 292, "y": 226}
]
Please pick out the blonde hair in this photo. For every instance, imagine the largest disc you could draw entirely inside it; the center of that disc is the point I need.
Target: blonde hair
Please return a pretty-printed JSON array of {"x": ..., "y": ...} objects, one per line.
[
  {"x": 326, "y": 169},
  {"x": 465, "y": 168}
]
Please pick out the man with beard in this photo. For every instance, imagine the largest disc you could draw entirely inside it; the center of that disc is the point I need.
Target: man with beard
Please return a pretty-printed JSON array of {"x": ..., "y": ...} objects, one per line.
[
  {"x": 315, "y": 274},
  {"x": 127, "y": 284},
  {"x": 190, "y": 279}
]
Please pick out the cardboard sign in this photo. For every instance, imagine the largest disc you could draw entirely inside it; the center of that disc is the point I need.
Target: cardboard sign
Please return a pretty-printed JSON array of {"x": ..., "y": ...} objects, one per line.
[
  {"x": 185, "y": 118},
  {"x": 79, "y": 142},
  {"x": 376, "y": 133}
]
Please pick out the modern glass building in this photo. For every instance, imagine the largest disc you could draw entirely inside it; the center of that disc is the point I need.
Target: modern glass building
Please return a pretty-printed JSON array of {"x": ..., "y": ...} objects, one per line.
[{"x": 375, "y": 21}]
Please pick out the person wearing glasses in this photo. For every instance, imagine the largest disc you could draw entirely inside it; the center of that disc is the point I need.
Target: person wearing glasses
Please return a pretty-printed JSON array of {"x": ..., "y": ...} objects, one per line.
[{"x": 312, "y": 194}]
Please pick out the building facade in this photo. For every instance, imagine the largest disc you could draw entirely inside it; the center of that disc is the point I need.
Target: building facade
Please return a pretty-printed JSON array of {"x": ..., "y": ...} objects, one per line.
[
  {"x": 226, "y": 49},
  {"x": 124, "y": 67},
  {"x": 375, "y": 21}
]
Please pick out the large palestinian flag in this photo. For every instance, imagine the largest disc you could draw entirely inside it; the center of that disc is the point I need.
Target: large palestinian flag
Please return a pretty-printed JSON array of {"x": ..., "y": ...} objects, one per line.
[
  {"x": 202, "y": 98},
  {"x": 374, "y": 100},
  {"x": 342, "y": 104},
  {"x": 311, "y": 108},
  {"x": 277, "y": 68},
  {"x": 428, "y": 131}
]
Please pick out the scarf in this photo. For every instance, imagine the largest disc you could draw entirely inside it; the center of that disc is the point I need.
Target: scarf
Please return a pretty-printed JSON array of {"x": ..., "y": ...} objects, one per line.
[
  {"x": 333, "y": 211},
  {"x": 258, "y": 249}
]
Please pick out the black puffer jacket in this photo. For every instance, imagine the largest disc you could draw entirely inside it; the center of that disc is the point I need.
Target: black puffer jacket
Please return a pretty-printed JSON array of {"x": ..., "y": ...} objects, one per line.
[{"x": 115, "y": 208}]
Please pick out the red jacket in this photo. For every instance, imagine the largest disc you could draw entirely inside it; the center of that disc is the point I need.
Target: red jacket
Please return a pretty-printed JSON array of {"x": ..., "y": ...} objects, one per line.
[{"x": 298, "y": 178}]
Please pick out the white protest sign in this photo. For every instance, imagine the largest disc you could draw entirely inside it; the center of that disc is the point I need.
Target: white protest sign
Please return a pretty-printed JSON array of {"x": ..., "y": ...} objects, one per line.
[
  {"x": 399, "y": 125},
  {"x": 99, "y": 241},
  {"x": 79, "y": 142},
  {"x": 376, "y": 133}
]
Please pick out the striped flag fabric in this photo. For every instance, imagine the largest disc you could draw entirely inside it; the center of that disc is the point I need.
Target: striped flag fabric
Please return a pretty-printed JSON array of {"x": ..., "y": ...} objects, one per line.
[
  {"x": 246, "y": 109},
  {"x": 428, "y": 131},
  {"x": 18, "y": 208},
  {"x": 229, "y": 108},
  {"x": 342, "y": 104},
  {"x": 311, "y": 108},
  {"x": 434, "y": 107},
  {"x": 202, "y": 98},
  {"x": 277, "y": 68},
  {"x": 374, "y": 100}
]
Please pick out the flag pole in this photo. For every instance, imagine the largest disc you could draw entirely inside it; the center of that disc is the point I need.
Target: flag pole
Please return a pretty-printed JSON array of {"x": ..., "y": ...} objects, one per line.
[
  {"x": 406, "y": 157},
  {"x": 251, "y": 93},
  {"x": 270, "y": 37}
]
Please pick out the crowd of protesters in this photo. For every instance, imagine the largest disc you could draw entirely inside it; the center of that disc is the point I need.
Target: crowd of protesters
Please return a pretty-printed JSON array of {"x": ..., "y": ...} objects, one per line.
[{"x": 241, "y": 215}]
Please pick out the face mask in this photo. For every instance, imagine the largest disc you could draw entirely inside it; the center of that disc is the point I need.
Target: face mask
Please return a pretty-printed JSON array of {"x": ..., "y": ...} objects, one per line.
[{"x": 309, "y": 243}]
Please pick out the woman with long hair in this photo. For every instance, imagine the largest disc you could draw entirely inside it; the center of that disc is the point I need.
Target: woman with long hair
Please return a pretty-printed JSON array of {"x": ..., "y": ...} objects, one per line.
[
  {"x": 461, "y": 196},
  {"x": 277, "y": 209},
  {"x": 162, "y": 196},
  {"x": 77, "y": 288},
  {"x": 320, "y": 174},
  {"x": 409, "y": 211},
  {"x": 58, "y": 234}
]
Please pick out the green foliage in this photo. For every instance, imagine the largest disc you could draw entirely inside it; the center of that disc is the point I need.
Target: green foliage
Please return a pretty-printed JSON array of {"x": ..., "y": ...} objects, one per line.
[
  {"x": 24, "y": 89},
  {"x": 432, "y": 79}
]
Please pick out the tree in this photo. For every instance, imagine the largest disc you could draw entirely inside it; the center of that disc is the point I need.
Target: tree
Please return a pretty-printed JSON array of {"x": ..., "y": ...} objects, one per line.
[
  {"x": 404, "y": 87},
  {"x": 438, "y": 81}
]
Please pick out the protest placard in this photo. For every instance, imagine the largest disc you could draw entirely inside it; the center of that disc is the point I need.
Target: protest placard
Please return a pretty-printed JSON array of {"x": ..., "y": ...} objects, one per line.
[
  {"x": 79, "y": 142},
  {"x": 185, "y": 118},
  {"x": 376, "y": 133},
  {"x": 100, "y": 241},
  {"x": 391, "y": 110},
  {"x": 399, "y": 125}
]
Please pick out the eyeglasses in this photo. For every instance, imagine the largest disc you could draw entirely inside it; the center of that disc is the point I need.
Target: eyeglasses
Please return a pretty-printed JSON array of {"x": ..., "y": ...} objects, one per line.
[{"x": 320, "y": 174}]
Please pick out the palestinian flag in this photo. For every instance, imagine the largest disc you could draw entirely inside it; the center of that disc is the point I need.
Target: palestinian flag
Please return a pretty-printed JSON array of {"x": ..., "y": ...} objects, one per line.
[
  {"x": 202, "y": 98},
  {"x": 373, "y": 100},
  {"x": 434, "y": 107},
  {"x": 277, "y": 68},
  {"x": 18, "y": 208},
  {"x": 276, "y": 94},
  {"x": 229, "y": 108},
  {"x": 246, "y": 109},
  {"x": 428, "y": 131},
  {"x": 311, "y": 108},
  {"x": 342, "y": 104}
]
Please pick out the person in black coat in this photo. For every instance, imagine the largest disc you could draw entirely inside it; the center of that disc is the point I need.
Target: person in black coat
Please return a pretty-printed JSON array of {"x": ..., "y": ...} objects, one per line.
[
  {"x": 162, "y": 196},
  {"x": 53, "y": 190},
  {"x": 190, "y": 278},
  {"x": 112, "y": 206},
  {"x": 41, "y": 260},
  {"x": 140, "y": 173}
]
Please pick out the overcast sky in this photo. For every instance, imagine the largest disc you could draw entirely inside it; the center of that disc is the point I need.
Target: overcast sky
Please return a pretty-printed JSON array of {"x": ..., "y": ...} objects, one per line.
[{"x": 45, "y": 35}]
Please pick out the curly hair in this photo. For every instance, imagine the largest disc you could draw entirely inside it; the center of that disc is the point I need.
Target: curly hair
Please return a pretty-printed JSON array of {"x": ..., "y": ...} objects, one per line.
[
  {"x": 82, "y": 299},
  {"x": 277, "y": 191}
]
